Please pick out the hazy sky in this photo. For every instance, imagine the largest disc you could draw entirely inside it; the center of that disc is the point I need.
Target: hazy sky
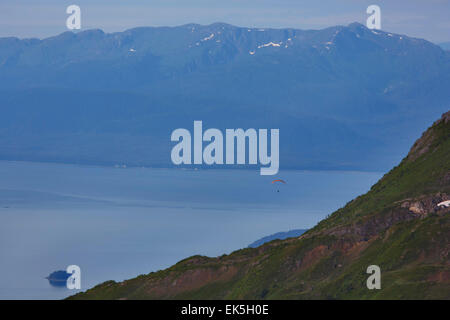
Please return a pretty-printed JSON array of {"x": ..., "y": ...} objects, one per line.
[{"x": 427, "y": 19}]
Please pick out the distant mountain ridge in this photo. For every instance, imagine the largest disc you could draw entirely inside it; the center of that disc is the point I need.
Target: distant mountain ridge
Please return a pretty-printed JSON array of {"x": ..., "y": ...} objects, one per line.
[
  {"x": 344, "y": 97},
  {"x": 277, "y": 236}
]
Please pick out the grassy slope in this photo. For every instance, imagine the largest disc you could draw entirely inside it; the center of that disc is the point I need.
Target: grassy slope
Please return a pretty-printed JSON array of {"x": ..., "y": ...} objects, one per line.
[{"x": 330, "y": 260}]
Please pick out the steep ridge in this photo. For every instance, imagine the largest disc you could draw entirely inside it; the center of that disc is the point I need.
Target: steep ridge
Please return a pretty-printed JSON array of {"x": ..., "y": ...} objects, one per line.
[{"x": 397, "y": 225}]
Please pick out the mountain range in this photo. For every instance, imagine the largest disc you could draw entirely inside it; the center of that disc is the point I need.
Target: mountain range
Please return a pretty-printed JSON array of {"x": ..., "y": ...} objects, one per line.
[
  {"x": 344, "y": 97},
  {"x": 402, "y": 225}
]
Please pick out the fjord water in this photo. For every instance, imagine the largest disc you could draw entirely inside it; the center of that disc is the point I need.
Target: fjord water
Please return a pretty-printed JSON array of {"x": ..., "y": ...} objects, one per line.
[{"x": 117, "y": 223}]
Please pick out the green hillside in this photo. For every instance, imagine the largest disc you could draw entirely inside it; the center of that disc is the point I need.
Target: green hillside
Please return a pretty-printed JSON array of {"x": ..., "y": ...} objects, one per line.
[{"x": 397, "y": 225}]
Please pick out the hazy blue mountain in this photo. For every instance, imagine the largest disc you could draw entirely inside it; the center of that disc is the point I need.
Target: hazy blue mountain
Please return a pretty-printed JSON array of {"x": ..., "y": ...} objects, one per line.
[
  {"x": 445, "y": 45},
  {"x": 343, "y": 97},
  {"x": 278, "y": 236}
]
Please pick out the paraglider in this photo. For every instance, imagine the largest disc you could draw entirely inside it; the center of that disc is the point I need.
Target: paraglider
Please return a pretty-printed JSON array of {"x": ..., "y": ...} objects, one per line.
[{"x": 280, "y": 181}]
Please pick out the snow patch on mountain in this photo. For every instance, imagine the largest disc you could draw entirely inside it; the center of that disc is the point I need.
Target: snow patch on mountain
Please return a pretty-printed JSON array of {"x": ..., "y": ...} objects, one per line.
[
  {"x": 270, "y": 44},
  {"x": 208, "y": 37}
]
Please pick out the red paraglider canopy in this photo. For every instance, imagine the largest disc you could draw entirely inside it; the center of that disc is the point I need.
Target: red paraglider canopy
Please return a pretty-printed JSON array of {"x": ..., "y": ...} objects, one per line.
[{"x": 279, "y": 180}]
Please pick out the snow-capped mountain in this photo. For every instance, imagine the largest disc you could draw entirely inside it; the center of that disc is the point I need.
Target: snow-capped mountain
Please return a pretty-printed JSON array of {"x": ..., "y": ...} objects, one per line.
[{"x": 343, "y": 97}]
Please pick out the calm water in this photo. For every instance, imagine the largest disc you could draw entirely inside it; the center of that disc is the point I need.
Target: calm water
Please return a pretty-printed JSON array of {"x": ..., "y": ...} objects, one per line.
[{"x": 119, "y": 223}]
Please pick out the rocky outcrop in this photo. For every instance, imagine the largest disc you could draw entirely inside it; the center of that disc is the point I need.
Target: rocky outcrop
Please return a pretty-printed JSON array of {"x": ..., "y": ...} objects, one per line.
[{"x": 426, "y": 205}]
